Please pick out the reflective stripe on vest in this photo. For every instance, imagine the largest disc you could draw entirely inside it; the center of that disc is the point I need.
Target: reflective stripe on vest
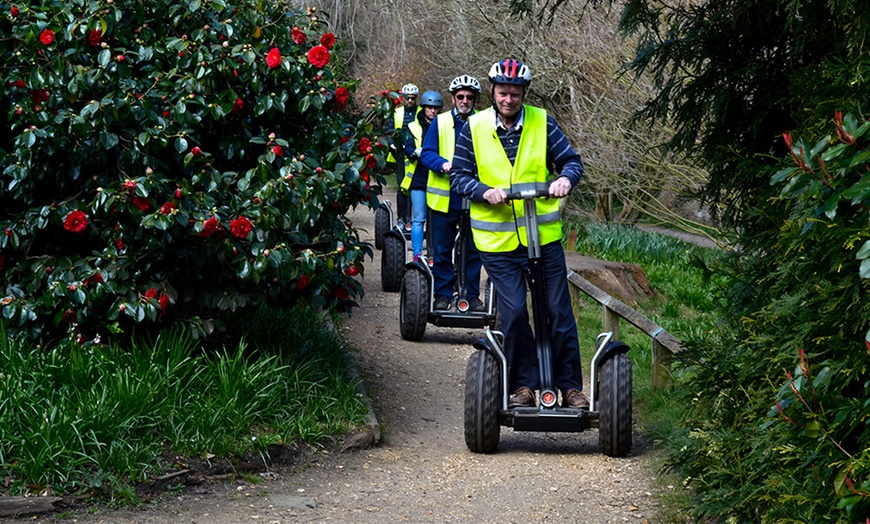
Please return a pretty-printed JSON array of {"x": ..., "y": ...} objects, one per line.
[
  {"x": 438, "y": 187},
  {"x": 411, "y": 166},
  {"x": 503, "y": 228}
]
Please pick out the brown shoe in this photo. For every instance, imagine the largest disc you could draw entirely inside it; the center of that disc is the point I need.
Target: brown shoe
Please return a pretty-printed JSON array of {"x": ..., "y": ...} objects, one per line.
[
  {"x": 574, "y": 398},
  {"x": 523, "y": 397}
]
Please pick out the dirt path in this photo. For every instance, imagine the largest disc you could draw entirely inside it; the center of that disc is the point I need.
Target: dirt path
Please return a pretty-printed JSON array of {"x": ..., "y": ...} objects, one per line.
[{"x": 421, "y": 470}]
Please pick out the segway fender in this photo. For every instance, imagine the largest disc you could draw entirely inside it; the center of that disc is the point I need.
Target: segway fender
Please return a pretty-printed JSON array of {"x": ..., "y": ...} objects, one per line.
[
  {"x": 614, "y": 347},
  {"x": 395, "y": 233}
]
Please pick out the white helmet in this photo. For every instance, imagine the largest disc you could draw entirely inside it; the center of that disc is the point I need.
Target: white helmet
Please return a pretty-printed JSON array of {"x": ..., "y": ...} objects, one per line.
[
  {"x": 464, "y": 82},
  {"x": 410, "y": 89}
]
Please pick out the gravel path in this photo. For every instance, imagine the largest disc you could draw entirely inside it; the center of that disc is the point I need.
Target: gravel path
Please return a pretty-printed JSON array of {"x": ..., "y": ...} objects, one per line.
[{"x": 421, "y": 470}]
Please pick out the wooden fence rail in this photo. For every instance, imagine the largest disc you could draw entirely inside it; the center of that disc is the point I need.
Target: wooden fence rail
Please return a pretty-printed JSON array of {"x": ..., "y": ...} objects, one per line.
[{"x": 663, "y": 343}]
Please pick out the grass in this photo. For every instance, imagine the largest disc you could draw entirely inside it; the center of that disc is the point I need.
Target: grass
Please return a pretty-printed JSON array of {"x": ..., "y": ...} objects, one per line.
[
  {"x": 679, "y": 272},
  {"x": 95, "y": 418}
]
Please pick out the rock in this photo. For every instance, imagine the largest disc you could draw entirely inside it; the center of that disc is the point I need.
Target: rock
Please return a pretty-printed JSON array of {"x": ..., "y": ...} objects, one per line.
[{"x": 627, "y": 282}]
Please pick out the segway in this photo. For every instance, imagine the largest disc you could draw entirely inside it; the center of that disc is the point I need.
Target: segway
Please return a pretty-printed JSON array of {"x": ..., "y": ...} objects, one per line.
[
  {"x": 417, "y": 301},
  {"x": 486, "y": 379}
]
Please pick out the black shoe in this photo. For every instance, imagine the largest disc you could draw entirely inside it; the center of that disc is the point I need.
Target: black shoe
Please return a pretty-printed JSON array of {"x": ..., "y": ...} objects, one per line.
[
  {"x": 442, "y": 303},
  {"x": 475, "y": 304}
]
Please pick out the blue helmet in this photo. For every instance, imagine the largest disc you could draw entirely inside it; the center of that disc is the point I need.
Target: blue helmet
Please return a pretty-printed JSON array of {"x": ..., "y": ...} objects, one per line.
[{"x": 431, "y": 99}]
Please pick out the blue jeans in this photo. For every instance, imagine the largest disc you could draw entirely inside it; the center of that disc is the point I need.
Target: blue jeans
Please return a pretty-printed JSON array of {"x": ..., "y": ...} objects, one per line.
[
  {"x": 419, "y": 209},
  {"x": 444, "y": 227},
  {"x": 508, "y": 274}
]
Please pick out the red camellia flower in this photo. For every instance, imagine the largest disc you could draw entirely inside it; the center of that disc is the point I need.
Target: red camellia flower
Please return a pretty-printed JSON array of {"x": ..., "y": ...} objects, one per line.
[
  {"x": 119, "y": 244},
  {"x": 273, "y": 59},
  {"x": 196, "y": 150},
  {"x": 371, "y": 161},
  {"x": 209, "y": 227},
  {"x": 341, "y": 293},
  {"x": 94, "y": 37},
  {"x": 297, "y": 35},
  {"x": 39, "y": 95},
  {"x": 141, "y": 203},
  {"x": 238, "y": 105},
  {"x": 96, "y": 278},
  {"x": 365, "y": 145},
  {"x": 302, "y": 283},
  {"x": 69, "y": 316},
  {"x": 46, "y": 37},
  {"x": 167, "y": 208},
  {"x": 352, "y": 271},
  {"x": 18, "y": 83},
  {"x": 278, "y": 150},
  {"x": 164, "y": 302},
  {"x": 240, "y": 227},
  {"x": 15, "y": 11},
  {"x": 327, "y": 40},
  {"x": 75, "y": 221},
  {"x": 318, "y": 56},
  {"x": 365, "y": 176},
  {"x": 151, "y": 293},
  {"x": 341, "y": 95}
]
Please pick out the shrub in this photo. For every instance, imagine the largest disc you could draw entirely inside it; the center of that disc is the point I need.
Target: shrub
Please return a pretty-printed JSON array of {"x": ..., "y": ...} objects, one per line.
[{"x": 173, "y": 162}]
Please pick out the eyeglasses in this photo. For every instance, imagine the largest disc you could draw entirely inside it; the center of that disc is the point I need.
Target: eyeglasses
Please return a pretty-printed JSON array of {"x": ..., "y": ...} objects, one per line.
[
  {"x": 464, "y": 97},
  {"x": 410, "y": 98}
]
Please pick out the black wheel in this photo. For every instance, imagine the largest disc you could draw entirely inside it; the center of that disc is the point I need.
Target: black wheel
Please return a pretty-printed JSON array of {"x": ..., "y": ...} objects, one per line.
[
  {"x": 482, "y": 393},
  {"x": 614, "y": 406},
  {"x": 382, "y": 225},
  {"x": 392, "y": 263},
  {"x": 413, "y": 305}
]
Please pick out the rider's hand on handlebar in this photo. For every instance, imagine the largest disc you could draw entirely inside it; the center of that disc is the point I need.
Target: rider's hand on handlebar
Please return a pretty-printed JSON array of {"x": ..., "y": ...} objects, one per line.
[
  {"x": 495, "y": 196},
  {"x": 560, "y": 187}
]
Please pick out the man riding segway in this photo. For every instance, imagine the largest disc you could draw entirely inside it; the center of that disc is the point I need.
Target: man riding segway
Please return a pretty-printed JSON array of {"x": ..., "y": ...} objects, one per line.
[{"x": 508, "y": 149}]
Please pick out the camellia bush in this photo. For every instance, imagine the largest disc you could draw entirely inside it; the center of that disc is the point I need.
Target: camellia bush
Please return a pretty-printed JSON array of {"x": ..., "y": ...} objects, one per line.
[{"x": 170, "y": 162}]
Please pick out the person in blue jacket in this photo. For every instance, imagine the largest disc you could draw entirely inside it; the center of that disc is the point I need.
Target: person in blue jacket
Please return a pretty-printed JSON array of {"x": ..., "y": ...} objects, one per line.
[
  {"x": 447, "y": 206},
  {"x": 417, "y": 175}
]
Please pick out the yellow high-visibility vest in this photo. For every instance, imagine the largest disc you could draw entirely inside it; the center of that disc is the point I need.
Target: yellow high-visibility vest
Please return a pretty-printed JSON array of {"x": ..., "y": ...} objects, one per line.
[
  {"x": 411, "y": 166},
  {"x": 438, "y": 187},
  {"x": 502, "y": 228},
  {"x": 399, "y": 122}
]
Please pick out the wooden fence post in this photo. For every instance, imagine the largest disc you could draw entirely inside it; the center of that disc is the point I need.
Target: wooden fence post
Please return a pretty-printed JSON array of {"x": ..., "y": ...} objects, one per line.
[
  {"x": 610, "y": 319},
  {"x": 661, "y": 365}
]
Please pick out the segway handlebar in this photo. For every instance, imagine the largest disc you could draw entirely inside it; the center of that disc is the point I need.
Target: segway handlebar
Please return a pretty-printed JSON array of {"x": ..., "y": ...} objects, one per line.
[{"x": 528, "y": 194}]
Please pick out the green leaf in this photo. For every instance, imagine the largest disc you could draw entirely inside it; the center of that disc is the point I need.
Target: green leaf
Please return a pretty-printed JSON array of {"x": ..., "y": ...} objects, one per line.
[
  {"x": 245, "y": 270},
  {"x": 180, "y": 145},
  {"x": 864, "y": 251},
  {"x": 104, "y": 57},
  {"x": 864, "y": 271}
]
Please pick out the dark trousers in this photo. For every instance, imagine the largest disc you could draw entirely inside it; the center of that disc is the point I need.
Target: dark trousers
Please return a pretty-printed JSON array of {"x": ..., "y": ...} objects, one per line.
[
  {"x": 444, "y": 227},
  {"x": 403, "y": 202},
  {"x": 508, "y": 274}
]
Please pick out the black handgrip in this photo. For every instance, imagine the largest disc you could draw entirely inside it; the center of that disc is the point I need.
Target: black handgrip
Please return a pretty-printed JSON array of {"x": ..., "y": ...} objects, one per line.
[{"x": 528, "y": 194}]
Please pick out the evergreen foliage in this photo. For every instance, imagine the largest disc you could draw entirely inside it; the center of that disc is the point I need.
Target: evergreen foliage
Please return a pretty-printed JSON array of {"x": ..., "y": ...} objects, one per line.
[{"x": 776, "y": 424}]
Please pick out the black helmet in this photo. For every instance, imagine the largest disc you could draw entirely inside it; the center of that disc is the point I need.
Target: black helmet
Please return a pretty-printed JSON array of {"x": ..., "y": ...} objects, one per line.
[
  {"x": 431, "y": 99},
  {"x": 510, "y": 71}
]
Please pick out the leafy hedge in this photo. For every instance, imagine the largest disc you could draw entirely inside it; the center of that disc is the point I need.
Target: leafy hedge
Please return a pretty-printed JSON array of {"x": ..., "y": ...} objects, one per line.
[
  {"x": 777, "y": 426},
  {"x": 175, "y": 162}
]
